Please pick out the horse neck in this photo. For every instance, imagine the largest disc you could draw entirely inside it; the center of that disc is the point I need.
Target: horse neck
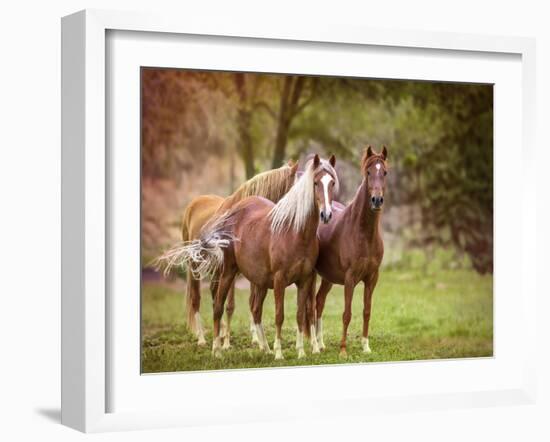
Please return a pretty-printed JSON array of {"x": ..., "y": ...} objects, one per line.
[
  {"x": 310, "y": 228},
  {"x": 367, "y": 220}
]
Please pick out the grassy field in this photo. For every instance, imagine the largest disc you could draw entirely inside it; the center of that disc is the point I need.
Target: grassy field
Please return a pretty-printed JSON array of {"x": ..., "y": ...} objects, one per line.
[{"x": 415, "y": 316}]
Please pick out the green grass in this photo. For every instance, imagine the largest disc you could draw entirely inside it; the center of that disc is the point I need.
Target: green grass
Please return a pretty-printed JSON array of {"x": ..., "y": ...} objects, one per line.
[{"x": 414, "y": 316}]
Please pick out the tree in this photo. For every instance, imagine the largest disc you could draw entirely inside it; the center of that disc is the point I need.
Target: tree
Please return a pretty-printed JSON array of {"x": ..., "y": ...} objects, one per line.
[
  {"x": 289, "y": 107},
  {"x": 246, "y": 95}
]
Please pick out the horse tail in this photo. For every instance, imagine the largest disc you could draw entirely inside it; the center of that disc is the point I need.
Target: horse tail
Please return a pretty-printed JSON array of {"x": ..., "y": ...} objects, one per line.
[{"x": 203, "y": 257}]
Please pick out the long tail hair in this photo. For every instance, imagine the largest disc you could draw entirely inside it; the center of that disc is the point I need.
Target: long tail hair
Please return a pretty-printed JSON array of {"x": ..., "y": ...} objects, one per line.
[{"x": 203, "y": 257}]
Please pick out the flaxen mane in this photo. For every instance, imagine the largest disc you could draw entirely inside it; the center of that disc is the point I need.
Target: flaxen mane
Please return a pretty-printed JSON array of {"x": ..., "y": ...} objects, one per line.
[
  {"x": 272, "y": 184},
  {"x": 295, "y": 207}
]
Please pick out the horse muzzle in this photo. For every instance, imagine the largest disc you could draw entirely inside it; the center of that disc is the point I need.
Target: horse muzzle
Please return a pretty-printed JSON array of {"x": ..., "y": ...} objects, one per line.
[
  {"x": 326, "y": 216},
  {"x": 376, "y": 202}
]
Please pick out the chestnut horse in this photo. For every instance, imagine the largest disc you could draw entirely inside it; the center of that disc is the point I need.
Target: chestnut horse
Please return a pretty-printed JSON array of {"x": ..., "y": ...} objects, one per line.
[
  {"x": 351, "y": 247},
  {"x": 272, "y": 184},
  {"x": 273, "y": 246}
]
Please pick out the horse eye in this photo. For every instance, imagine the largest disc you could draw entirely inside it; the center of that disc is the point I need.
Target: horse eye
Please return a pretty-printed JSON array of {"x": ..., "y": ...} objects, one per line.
[
  {"x": 315, "y": 184},
  {"x": 368, "y": 172},
  {"x": 385, "y": 173}
]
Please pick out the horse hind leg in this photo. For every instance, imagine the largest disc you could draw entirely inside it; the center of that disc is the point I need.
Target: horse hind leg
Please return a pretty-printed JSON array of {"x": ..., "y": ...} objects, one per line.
[
  {"x": 193, "y": 308},
  {"x": 320, "y": 301},
  {"x": 213, "y": 290},
  {"x": 311, "y": 319},
  {"x": 229, "y": 309},
  {"x": 305, "y": 318},
  {"x": 257, "y": 310},
  {"x": 225, "y": 283}
]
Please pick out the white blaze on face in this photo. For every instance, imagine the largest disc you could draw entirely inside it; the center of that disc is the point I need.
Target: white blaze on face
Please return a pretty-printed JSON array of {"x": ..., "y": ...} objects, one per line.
[
  {"x": 326, "y": 181},
  {"x": 378, "y": 167}
]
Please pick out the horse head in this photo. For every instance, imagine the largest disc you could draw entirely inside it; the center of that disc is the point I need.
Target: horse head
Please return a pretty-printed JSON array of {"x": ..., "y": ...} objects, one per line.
[
  {"x": 325, "y": 181},
  {"x": 374, "y": 169}
]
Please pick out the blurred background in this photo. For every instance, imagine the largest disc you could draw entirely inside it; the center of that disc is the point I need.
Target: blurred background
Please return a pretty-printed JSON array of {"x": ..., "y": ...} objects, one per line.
[{"x": 207, "y": 132}]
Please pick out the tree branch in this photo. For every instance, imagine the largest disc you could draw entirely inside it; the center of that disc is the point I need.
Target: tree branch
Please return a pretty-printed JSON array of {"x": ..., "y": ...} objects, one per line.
[{"x": 263, "y": 105}]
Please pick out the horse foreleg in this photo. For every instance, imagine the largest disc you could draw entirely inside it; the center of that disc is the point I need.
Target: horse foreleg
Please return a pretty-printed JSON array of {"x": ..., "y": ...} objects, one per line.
[
  {"x": 193, "y": 308},
  {"x": 224, "y": 286},
  {"x": 251, "y": 301},
  {"x": 349, "y": 285},
  {"x": 279, "y": 292},
  {"x": 300, "y": 319},
  {"x": 320, "y": 301},
  {"x": 367, "y": 304},
  {"x": 257, "y": 310}
]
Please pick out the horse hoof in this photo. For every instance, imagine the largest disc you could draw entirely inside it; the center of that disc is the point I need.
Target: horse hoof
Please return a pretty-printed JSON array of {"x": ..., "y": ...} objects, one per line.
[
  {"x": 316, "y": 351},
  {"x": 217, "y": 353},
  {"x": 301, "y": 354},
  {"x": 201, "y": 342},
  {"x": 279, "y": 356},
  {"x": 366, "y": 347},
  {"x": 226, "y": 345},
  {"x": 343, "y": 354}
]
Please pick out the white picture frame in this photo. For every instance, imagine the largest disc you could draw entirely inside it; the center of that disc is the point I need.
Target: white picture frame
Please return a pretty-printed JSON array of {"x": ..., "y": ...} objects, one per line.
[{"x": 86, "y": 203}]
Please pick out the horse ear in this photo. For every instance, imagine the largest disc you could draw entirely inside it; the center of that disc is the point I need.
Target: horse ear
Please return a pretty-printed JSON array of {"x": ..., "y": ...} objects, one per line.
[
  {"x": 316, "y": 161},
  {"x": 332, "y": 160},
  {"x": 370, "y": 152},
  {"x": 384, "y": 152},
  {"x": 293, "y": 167}
]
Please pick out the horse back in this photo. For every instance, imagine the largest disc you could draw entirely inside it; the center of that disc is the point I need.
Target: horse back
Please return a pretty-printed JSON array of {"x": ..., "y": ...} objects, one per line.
[{"x": 197, "y": 213}]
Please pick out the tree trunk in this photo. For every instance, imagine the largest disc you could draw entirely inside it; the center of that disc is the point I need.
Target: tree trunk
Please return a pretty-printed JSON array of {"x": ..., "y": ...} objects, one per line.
[
  {"x": 288, "y": 109},
  {"x": 244, "y": 120}
]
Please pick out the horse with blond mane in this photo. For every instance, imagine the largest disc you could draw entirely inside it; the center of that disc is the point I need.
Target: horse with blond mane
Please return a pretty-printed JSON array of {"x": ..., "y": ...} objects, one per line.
[
  {"x": 273, "y": 246},
  {"x": 204, "y": 209}
]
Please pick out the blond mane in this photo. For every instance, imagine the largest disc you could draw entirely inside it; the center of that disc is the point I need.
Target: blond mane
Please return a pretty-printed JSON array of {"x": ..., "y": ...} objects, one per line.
[
  {"x": 272, "y": 184},
  {"x": 293, "y": 210}
]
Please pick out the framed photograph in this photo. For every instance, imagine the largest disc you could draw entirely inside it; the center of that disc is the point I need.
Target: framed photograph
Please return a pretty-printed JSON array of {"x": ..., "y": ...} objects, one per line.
[{"x": 291, "y": 222}]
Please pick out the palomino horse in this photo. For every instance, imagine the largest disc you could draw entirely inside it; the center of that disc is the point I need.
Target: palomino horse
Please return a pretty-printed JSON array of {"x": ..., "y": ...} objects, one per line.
[
  {"x": 351, "y": 247},
  {"x": 273, "y": 246},
  {"x": 273, "y": 185}
]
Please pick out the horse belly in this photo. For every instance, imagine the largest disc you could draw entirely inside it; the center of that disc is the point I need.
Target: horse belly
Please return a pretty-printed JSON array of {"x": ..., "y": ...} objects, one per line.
[
  {"x": 252, "y": 263},
  {"x": 328, "y": 266}
]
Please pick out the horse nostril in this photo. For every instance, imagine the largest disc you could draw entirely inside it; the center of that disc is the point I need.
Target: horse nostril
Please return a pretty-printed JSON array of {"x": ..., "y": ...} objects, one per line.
[
  {"x": 381, "y": 200},
  {"x": 373, "y": 199}
]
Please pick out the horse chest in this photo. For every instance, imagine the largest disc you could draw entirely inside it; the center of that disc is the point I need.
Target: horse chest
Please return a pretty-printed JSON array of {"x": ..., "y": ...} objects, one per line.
[
  {"x": 361, "y": 260},
  {"x": 364, "y": 266}
]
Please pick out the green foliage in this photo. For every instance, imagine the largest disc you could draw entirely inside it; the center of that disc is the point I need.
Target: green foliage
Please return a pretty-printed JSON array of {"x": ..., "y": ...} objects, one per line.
[
  {"x": 448, "y": 314},
  {"x": 441, "y": 150}
]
